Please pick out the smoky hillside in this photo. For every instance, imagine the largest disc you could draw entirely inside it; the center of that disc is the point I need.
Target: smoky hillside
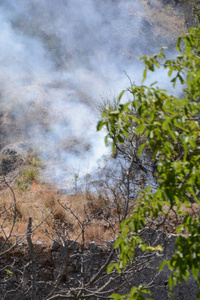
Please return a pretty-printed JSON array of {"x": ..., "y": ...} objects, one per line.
[{"x": 61, "y": 59}]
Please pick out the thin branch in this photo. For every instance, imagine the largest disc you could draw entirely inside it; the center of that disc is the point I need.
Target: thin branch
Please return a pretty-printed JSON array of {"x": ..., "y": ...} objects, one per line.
[{"x": 32, "y": 257}]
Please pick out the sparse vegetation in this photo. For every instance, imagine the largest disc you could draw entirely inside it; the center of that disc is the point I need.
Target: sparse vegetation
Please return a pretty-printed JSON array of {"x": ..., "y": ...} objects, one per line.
[
  {"x": 27, "y": 177},
  {"x": 147, "y": 137},
  {"x": 30, "y": 171}
]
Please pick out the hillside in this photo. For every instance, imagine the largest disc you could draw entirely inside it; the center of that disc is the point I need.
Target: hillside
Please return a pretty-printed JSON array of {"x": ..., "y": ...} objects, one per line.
[
  {"x": 49, "y": 95},
  {"x": 60, "y": 63}
]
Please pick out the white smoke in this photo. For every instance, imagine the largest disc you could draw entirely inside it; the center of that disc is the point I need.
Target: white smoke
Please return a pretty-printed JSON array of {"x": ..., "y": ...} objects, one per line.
[{"x": 57, "y": 59}]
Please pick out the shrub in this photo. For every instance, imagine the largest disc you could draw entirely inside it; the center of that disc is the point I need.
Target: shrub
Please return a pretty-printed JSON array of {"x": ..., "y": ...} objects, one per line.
[{"x": 171, "y": 127}]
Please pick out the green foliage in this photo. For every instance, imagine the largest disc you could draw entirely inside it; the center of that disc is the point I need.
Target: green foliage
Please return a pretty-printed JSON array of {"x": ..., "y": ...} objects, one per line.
[
  {"x": 8, "y": 272},
  {"x": 34, "y": 159},
  {"x": 27, "y": 177},
  {"x": 30, "y": 172},
  {"x": 135, "y": 293},
  {"x": 171, "y": 127}
]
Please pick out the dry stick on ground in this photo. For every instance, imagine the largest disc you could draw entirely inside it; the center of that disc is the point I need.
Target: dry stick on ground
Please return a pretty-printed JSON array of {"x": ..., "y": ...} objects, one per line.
[
  {"x": 77, "y": 293},
  {"x": 102, "y": 291},
  {"x": 28, "y": 233},
  {"x": 21, "y": 239},
  {"x": 32, "y": 257},
  {"x": 83, "y": 227},
  {"x": 100, "y": 284}
]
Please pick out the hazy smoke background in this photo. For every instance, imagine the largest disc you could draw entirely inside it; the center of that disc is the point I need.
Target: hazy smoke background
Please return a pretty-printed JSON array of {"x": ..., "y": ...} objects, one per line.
[{"x": 58, "y": 59}]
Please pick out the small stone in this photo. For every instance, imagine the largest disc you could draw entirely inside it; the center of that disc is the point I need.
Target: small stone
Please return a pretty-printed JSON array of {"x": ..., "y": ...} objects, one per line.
[
  {"x": 55, "y": 245},
  {"x": 93, "y": 247},
  {"x": 73, "y": 245}
]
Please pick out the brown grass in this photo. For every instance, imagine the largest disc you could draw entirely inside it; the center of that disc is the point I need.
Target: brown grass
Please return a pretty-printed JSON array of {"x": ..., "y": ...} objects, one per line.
[
  {"x": 42, "y": 201},
  {"x": 100, "y": 231},
  {"x": 167, "y": 21}
]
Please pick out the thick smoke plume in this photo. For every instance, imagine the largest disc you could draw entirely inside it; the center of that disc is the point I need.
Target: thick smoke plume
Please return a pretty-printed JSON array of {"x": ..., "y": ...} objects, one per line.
[{"x": 58, "y": 60}]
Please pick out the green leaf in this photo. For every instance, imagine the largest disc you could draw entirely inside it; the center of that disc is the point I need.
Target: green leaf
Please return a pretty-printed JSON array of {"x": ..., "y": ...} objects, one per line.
[
  {"x": 120, "y": 139},
  {"x": 170, "y": 283},
  {"x": 100, "y": 124},
  {"x": 195, "y": 271},
  {"x": 133, "y": 290},
  {"x": 120, "y": 96},
  {"x": 106, "y": 140},
  {"x": 8, "y": 272},
  {"x": 114, "y": 112},
  {"x": 116, "y": 296},
  {"x": 144, "y": 75},
  {"x": 178, "y": 44},
  {"x": 140, "y": 129},
  {"x": 107, "y": 107},
  {"x": 163, "y": 263},
  {"x": 171, "y": 296},
  {"x": 111, "y": 267},
  {"x": 140, "y": 149}
]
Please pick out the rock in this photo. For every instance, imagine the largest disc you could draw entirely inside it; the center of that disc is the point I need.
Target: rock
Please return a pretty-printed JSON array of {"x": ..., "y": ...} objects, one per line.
[
  {"x": 70, "y": 269},
  {"x": 12, "y": 158},
  {"x": 73, "y": 245},
  {"x": 10, "y": 161},
  {"x": 55, "y": 246},
  {"x": 93, "y": 247}
]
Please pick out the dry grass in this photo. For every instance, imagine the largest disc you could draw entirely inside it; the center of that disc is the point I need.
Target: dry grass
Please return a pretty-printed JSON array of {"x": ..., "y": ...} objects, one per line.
[
  {"x": 42, "y": 201},
  {"x": 96, "y": 204},
  {"x": 29, "y": 203},
  {"x": 101, "y": 231},
  {"x": 167, "y": 22}
]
